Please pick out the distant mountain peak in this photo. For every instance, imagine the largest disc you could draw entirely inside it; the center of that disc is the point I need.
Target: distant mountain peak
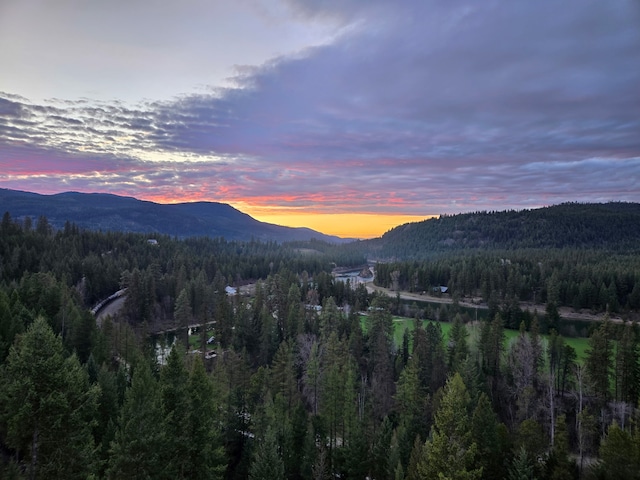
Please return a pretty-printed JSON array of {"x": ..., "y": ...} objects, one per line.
[{"x": 109, "y": 212}]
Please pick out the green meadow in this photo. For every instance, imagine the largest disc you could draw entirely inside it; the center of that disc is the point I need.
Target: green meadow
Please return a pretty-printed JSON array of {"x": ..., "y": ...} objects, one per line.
[{"x": 580, "y": 344}]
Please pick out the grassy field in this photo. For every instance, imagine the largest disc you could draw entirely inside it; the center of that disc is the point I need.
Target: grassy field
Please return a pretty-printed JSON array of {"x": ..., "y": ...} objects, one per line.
[
  {"x": 195, "y": 340},
  {"x": 401, "y": 323}
]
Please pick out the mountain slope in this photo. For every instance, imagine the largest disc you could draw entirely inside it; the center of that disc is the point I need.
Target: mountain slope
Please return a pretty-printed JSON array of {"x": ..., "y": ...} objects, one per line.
[
  {"x": 99, "y": 211},
  {"x": 607, "y": 226}
]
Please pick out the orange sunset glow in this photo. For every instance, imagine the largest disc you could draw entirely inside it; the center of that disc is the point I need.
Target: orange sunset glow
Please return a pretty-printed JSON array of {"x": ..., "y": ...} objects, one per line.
[
  {"x": 347, "y": 225},
  {"x": 349, "y": 118},
  {"x": 341, "y": 224}
]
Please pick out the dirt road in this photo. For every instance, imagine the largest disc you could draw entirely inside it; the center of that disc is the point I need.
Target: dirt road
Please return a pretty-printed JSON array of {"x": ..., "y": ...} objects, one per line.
[{"x": 565, "y": 312}]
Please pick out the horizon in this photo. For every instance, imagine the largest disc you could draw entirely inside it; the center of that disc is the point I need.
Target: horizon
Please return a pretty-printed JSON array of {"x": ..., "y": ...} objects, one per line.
[
  {"x": 349, "y": 118},
  {"x": 318, "y": 224},
  {"x": 325, "y": 224}
]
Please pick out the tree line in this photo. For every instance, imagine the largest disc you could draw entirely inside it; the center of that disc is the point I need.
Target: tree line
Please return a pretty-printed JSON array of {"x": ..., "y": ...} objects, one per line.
[
  {"x": 598, "y": 281},
  {"x": 293, "y": 392},
  {"x": 611, "y": 226}
]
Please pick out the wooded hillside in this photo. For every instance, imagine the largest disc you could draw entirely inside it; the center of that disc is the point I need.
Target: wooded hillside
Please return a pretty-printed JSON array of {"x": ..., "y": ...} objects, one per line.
[
  {"x": 602, "y": 226},
  {"x": 300, "y": 379}
]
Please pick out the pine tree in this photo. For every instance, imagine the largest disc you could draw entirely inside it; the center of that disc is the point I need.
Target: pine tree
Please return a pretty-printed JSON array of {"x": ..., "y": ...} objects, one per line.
[
  {"x": 205, "y": 452},
  {"x": 283, "y": 374},
  {"x": 47, "y": 406},
  {"x": 619, "y": 454},
  {"x": 311, "y": 378},
  {"x": 451, "y": 452},
  {"x": 107, "y": 415},
  {"x": 486, "y": 435},
  {"x": 435, "y": 362},
  {"x": 138, "y": 449},
  {"x": 411, "y": 405},
  {"x": 627, "y": 366},
  {"x": 491, "y": 348},
  {"x": 267, "y": 463},
  {"x": 559, "y": 465},
  {"x": 415, "y": 460},
  {"x": 381, "y": 368},
  {"x": 599, "y": 361},
  {"x": 183, "y": 316},
  {"x": 380, "y": 451},
  {"x": 10, "y": 326},
  {"x": 458, "y": 348},
  {"x": 173, "y": 393},
  {"x": 521, "y": 467}
]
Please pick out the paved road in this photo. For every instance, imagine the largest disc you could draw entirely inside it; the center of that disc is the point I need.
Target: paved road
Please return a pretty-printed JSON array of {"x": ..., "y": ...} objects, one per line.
[{"x": 110, "y": 309}]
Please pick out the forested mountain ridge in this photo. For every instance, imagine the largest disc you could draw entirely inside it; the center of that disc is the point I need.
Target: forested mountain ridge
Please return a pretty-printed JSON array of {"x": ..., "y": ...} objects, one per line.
[
  {"x": 99, "y": 211},
  {"x": 608, "y": 226},
  {"x": 582, "y": 256}
]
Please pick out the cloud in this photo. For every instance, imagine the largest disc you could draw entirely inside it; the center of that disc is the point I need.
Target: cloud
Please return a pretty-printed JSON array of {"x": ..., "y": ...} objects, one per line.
[{"x": 415, "y": 108}]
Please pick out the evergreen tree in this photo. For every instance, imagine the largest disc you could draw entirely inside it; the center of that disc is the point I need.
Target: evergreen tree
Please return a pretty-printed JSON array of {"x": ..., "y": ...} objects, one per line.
[
  {"x": 458, "y": 348},
  {"x": 380, "y": 451},
  {"x": 267, "y": 463},
  {"x": 415, "y": 460},
  {"x": 627, "y": 366},
  {"x": 47, "y": 406},
  {"x": 451, "y": 452},
  {"x": 619, "y": 455},
  {"x": 486, "y": 435},
  {"x": 138, "y": 449},
  {"x": 175, "y": 407},
  {"x": 411, "y": 407},
  {"x": 491, "y": 347},
  {"x": 311, "y": 378},
  {"x": 599, "y": 361},
  {"x": 521, "y": 467},
  {"x": 380, "y": 368},
  {"x": 10, "y": 326},
  {"x": 530, "y": 436},
  {"x": 183, "y": 317},
  {"x": 435, "y": 362},
  {"x": 107, "y": 415},
  {"x": 283, "y": 374},
  {"x": 559, "y": 465},
  {"x": 205, "y": 452}
]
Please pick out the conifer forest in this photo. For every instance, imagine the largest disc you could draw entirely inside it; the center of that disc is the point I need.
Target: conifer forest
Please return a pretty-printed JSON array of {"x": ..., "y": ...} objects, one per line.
[{"x": 234, "y": 360}]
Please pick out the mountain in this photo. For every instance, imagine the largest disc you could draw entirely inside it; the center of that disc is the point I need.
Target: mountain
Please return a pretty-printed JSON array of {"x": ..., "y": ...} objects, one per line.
[
  {"x": 100, "y": 211},
  {"x": 601, "y": 226}
]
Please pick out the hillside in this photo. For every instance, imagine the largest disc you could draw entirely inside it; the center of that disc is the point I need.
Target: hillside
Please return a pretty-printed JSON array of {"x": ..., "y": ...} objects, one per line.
[
  {"x": 99, "y": 211},
  {"x": 609, "y": 226}
]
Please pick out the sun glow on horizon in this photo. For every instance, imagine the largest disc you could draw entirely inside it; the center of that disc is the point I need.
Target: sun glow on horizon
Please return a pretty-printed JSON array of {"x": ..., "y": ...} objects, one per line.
[
  {"x": 342, "y": 224},
  {"x": 345, "y": 225}
]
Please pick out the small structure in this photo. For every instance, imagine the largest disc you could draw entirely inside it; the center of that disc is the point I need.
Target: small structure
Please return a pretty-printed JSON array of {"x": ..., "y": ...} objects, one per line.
[
  {"x": 230, "y": 290},
  {"x": 366, "y": 272},
  {"x": 152, "y": 241}
]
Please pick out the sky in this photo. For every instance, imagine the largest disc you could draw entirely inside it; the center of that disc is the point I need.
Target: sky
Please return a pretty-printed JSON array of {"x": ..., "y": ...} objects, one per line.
[{"x": 346, "y": 116}]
